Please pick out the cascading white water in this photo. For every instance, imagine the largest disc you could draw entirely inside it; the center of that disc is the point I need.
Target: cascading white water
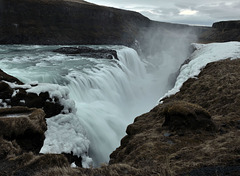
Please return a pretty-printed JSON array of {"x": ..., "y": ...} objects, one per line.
[
  {"x": 108, "y": 98},
  {"x": 107, "y": 94}
]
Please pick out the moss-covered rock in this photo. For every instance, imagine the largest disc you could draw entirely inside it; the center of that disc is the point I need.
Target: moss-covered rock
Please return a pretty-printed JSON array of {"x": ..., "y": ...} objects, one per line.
[
  {"x": 23, "y": 125},
  {"x": 181, "y": 115}
]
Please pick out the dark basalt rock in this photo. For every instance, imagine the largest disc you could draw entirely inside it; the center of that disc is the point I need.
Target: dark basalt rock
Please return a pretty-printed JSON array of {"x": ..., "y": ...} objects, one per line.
[
  {"x": 6, "y": 77},
  {"x": 19, "y": 97},
  {"x": 73, "y": 159},
  {"x": 88, "y": 52},
  {"x": 31, "y": 100},
  {"x": 226, "y": 25},
  {"x": 5, "y": 91}
]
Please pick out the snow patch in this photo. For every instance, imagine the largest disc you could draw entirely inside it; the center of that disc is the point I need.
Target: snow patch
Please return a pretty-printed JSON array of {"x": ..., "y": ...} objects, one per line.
[
  {"x": 65, "y": 134},
  {"x": 15, "y": 92},
  {"x": 204, "y": 54},
  {"x": 73, "y": 165}
]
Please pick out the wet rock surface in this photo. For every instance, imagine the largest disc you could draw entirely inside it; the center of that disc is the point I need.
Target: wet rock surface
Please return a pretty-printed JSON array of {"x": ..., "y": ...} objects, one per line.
[
  {"x": 88, "y": 52},
  {"x": 6, "y": 77},
  {"x": 17, "y": 96}
]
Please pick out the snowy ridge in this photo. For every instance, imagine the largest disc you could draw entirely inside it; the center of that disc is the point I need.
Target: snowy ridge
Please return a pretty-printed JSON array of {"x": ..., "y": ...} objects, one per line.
[{"x": 204, "y": 54}]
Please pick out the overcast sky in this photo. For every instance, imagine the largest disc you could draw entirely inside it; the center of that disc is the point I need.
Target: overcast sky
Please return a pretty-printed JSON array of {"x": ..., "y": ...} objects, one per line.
[{"x": 199, "y": 12}]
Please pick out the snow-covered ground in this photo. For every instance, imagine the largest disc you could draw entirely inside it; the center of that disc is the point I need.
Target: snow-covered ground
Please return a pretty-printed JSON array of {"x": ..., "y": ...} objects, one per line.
[{"x": 204, "y": 54}]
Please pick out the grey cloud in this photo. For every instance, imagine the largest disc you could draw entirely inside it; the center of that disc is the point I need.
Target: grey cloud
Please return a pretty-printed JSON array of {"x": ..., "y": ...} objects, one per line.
[
  {"x": 209, "y": 11},
  {"x": 222, "y": 11}
]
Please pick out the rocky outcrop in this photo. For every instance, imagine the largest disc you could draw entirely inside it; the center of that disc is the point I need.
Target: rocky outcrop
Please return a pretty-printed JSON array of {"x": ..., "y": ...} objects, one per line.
[
  {"x": 22, "y": 129},
  {"x": 88, "y": 52},
  {"x": 18, "y": 96},
  {"x": 6, "y": 77}
]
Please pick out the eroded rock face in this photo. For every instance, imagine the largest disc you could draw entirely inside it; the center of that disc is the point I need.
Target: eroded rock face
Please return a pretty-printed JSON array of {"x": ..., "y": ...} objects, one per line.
[{"x": 88, "y": 52}]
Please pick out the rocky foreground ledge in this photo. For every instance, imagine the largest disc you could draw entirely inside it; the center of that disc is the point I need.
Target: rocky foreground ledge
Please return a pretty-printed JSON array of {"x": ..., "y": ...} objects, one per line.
[{"x": 195, "y": 132}]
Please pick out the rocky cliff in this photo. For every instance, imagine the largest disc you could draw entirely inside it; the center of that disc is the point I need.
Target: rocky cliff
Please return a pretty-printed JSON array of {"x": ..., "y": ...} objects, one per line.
[
  {"x": 66, "y": 22},
  {"x": 73, "y": 22},
  {"x": 222, "y": 31}
]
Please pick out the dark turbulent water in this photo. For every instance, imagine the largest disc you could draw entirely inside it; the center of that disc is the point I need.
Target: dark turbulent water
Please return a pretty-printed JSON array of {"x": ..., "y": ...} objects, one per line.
[{"x": 105, "y": 95}]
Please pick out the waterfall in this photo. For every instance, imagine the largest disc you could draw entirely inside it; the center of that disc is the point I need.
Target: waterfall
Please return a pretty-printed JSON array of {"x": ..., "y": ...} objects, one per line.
[
  {"x": 105, "y": 95},
  {"x": 107, "y": 100}
]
